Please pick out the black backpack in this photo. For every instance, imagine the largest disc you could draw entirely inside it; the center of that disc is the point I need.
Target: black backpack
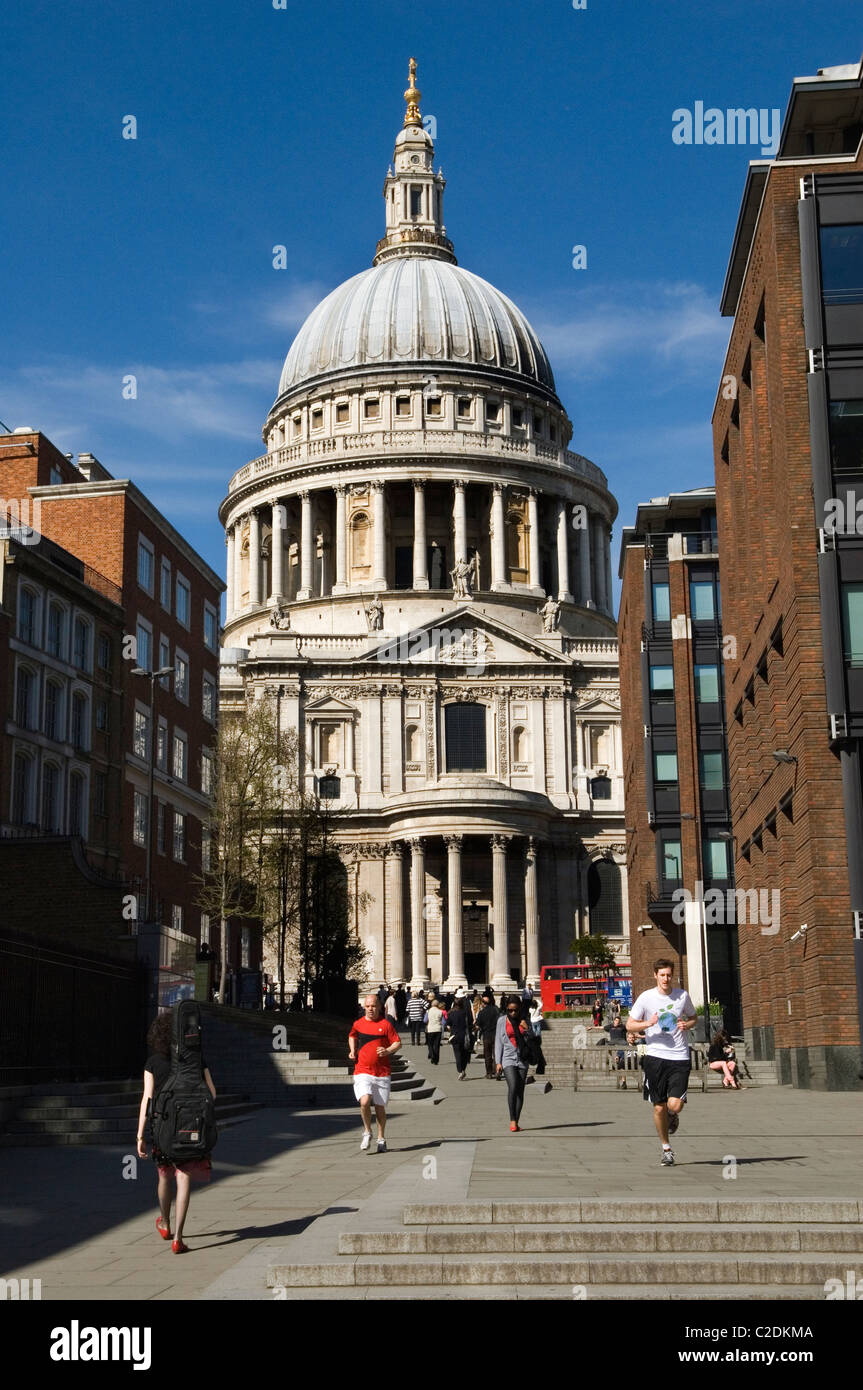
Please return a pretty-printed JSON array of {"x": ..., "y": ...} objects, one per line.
[{"x": 183, "y": 1120}]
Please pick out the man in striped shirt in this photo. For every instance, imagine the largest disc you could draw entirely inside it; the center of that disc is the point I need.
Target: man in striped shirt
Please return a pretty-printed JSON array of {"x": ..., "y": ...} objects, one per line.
[{"x": 416, "y": 1013}]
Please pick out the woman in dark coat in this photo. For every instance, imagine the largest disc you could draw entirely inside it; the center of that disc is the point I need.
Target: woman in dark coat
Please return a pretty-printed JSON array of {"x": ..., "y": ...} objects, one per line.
[{"x": 458, "y": 1023}]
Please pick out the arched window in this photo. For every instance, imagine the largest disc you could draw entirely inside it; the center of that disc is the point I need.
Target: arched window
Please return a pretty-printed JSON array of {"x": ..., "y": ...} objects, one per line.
[
  {"x": 76, "y": 804},
  {"x": 53, "y": 721},
  {"x": 50, "y": 797},
  {"x": 360, "y": 542},
  {"x": 81, "y": 645},
  {"x": 79, "y": 729},
  {"x": 54, "y": 639},
  {"x": 605, "y": 898},
  {"x": 519, "y": 745},
  {"x": 22, "y": 789},
  {"x": 27, "y": 604},
  {"x": 25, "y": 699}
]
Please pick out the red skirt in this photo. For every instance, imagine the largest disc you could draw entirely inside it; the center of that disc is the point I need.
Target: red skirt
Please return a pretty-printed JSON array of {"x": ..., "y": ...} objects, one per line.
[{"x": 198, "y": 1169}]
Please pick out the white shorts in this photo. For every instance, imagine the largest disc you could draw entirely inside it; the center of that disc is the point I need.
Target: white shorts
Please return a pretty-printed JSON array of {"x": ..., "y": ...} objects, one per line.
[{"x": 378, "y": 1087}]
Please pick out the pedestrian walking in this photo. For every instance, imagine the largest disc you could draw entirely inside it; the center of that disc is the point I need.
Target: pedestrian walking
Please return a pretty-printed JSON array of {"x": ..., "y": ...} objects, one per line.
[
  {"x": 372, "y": 1042},
  {"x": 510, "y": 1058},
  {"x": 486, "y": 1022},
  {"x": 390, "y": 1008},
  {"x": 617, "y": 1036},
  {"x": 434, "y": 1028},
  {"x": 157, "y": 1069},
  {"x": 597, "y": 1012},
  {"x": 460, "y": 1036},
  {"x": 535, "y": 1017},
  {"x": 664, "y": 1015},
  {"x": 401, "y": 1003},
  {"x": 416, "y": 1008}
]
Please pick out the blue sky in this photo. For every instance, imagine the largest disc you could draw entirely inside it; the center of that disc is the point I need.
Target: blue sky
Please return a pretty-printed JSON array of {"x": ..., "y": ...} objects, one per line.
[{"x": 260, "y": 126}]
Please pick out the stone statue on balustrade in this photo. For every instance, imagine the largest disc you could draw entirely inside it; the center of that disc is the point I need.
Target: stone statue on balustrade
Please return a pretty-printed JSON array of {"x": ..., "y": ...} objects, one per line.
[
  {"x": 280, "y": 618},
  {"x": 550, "y": 614},
  {"x": 462, "y": 577},
  {"x": 375, "y": 614}
]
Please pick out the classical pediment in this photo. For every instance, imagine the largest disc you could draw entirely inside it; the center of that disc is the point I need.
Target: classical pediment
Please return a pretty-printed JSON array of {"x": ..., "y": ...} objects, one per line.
[
  {"x": 599, "y": 704},
  {"x": 329, "y": 705},
  {"x": 464, "y": 638}
]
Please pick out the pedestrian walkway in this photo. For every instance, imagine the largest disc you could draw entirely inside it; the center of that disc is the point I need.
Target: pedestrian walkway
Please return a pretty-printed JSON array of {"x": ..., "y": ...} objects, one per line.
[{"x": 71, "y": 1218}]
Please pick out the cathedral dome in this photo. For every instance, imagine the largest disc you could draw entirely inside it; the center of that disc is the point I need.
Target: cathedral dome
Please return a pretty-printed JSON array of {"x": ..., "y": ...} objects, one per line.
[{"x": 416, "y": 309}]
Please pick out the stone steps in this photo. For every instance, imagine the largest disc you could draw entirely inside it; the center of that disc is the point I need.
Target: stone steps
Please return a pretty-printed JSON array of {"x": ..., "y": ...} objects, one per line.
[
  {"x": 592, "y": 1239},
  {"x": 564, "y": 1293},
  {"x": 52, "y": 1119}
]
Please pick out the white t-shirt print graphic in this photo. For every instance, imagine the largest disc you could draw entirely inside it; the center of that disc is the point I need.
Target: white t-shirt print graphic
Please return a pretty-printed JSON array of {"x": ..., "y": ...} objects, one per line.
[{"x": 664, "y": 1038}]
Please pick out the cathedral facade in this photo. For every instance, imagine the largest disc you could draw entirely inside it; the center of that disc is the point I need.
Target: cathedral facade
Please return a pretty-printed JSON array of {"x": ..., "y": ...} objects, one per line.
[{"x": 420, "y": 568}]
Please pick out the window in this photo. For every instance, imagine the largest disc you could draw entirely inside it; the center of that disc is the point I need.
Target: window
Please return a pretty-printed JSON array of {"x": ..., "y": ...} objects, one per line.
[
  {"x": 160, "y": 828},
  {"x": 707, "y": 685},
  {"x": 416, "y": 200},
  {"x": 465, "y": 408},
  {"x": 139, "y": 819},
  {"x": 81, "y": 645},
  {"x": 298, "y": 425},
  {"x": 79, "y": 721},
  {"x": 27, "y": 616},
  {"x": 184, "y": 602},
  {"x": 55, "y": 630},
  {"x": 162, "y": 745},
  {"x": 600, "y": 789},
  {"x": 164, "y": 660},
  {"x": 105, "y": 652},
  {"x": 465, "y": 737},
  {"x": 165, "y": 584},
  {"x": 842, "y": 264},
  {"x": 206, "y": 773},
  {"x": 317, "y": 419},
  {"x": 55, "y": 476},
  {"x": 24, "y": 698},
  {"x": 179, "y": 836},
  {"x": 403, "y": 405},
  {"x": 146, "y": 565},
  {"x": 852, "y": 623},
  {"x": 433, "y": 405},
  {"x": 492, "y": 412},
  {"x": 665, "y": 767},
  {"x": 246, "y": 948},
  {"x": 711, "y": 771},
  {"x": 76, "y": 804},
  {"x": 329, "y": 788},
  {"x": 181, "y": 676},
  {"x": 330, "y": 745},
  {"x": 53, "y": 697},
  {"x": 846, "y": 436},
  {"x": 552, "y": 433},
  {"x": 372, "y": 410},
  {"x": 538, "y": 422},
  {"x": 714, "y": 857},
  {"x": 517, "y": 417},
  {"x": 209, "y": 699},
  {"x": 181, "y": 755},
  {"x": 662, "y": 682},
  {"x": 661, "y": 603},
  {"x": 177, "y": 917},
  {"x": 343, "y": 413},
  {"x": 144, "y": 643},
  {"x": 141, "y": 744},
  {"x": 211, "y": 627},
  {"x": 22, "y": 789},
  {"x": 701, "y": 600},
  {"x": 671, "y": 861},
  {"x": 100, "y": 796},
  {"x": 50, "y": 797}
]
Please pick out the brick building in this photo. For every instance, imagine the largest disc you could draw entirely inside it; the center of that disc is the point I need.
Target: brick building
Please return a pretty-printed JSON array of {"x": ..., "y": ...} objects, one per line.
[
  {"x": 788, "y": 433},
  {"x": 674, "y": 759},
  {"x": 165, "y": 612}
]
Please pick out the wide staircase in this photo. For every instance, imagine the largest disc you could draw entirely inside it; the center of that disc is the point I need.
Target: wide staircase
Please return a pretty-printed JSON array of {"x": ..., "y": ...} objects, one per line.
[
  {"x": 590, "y": 1248},
  {"x": 593, "y": 1067},
  {"x": 94, "y": 1112}
]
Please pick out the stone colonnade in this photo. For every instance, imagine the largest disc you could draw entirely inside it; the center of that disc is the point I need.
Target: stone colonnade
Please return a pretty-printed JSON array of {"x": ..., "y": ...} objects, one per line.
[{"x": 589, "y": 578}]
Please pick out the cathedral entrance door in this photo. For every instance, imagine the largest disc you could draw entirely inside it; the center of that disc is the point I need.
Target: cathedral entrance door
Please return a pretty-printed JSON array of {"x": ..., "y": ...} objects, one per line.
[{"x": 475, "y": 928}]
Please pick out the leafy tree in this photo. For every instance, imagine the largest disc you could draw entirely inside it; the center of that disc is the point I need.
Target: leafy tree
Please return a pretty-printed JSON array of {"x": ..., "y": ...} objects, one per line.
[{"x": 595, "y": 951}]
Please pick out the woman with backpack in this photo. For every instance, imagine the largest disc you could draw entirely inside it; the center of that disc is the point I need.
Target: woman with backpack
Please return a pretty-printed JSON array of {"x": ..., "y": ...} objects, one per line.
[{"x": 157, "y": 1069}]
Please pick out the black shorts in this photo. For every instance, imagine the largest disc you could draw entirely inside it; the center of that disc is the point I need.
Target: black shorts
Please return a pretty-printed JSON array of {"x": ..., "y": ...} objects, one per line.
[{"x": 664, "y": 1077}]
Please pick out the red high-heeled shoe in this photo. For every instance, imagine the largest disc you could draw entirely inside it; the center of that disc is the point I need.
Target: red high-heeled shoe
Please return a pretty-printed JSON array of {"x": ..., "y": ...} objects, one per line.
[
  {"x": 166, "y": 1235},
  {"x": 179, "y": 1247}
]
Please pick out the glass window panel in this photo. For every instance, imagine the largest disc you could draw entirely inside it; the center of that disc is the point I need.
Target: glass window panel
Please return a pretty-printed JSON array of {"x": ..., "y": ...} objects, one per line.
[
  {"x": 662, "y": 680},
  {"x": 852, "y": 622},
  {"x": 715, "y": 857},
  {"x": 665, "y": 766},
  {"x": 661, "y": 603},
  {"x": 465, "y": 738},
  {"x": 842, "y": 264},
  {"x": 712, "y": 775},
  {"x": 672, "y": 861},
  {"x": 707, "y": 684},
  {"x": 701, "y": 601},
  {"x": 846, "y": 436}
]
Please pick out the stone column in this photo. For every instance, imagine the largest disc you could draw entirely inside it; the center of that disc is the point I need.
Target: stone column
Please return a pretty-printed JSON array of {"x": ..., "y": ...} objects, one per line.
[
  {"x": 498, "y": 539},
  {"x": 599, "y": 562},
  {"x": 564, "y": 593},
  {"x": 238, "y": 565},
  {"x": 277, "y": 551},
  {"x": 229, "y": 578},
  {"x": 419, "y": 962},
  {"x": 341, "y": 539},
  {"x": 585, "y": 592},
  {"x": 533, "y": 540},
  {"x": 394, "y": 962},
  {"x": 459, "y": 522},
  {"x": 456, "y": 976},
  {"x": 609, "y": 590},
  {"x": 421, "y": 578},
  {"x": 379, "y": 578},
  {"x": 531, "y": 916},
  {"x": 255, "y": 557},
  {"x": 500, "y": 977},
  {"x": 306, "y": 551}
]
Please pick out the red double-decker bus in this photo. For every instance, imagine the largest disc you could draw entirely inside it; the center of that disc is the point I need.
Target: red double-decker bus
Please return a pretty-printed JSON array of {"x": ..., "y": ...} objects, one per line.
[{"x": 565, "y": 987}]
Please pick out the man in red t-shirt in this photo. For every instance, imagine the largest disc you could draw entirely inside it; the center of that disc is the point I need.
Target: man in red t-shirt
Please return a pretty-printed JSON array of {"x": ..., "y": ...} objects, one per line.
[{"x": 377, "y": 1041}]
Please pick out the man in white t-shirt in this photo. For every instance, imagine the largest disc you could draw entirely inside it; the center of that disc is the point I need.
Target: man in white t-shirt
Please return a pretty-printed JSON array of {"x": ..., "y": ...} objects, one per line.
[{"x": 664, "y": 1015}]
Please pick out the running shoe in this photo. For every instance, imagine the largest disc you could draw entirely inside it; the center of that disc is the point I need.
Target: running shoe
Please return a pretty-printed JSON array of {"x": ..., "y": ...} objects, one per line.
[
  {"x": 673, "y": 1124},
  {"x": 667, "y": 1158},
  {"x": 367, "y": 1139},
  {"x": 382, "y": 1146}
]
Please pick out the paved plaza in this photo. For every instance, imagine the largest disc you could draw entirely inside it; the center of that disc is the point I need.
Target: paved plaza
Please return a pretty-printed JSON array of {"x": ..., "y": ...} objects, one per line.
[{"x": 71, "y": 1218}]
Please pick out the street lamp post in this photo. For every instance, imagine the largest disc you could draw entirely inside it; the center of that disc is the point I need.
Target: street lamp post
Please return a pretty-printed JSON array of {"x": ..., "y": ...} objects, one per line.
[{"x": 152, "y": 677}]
